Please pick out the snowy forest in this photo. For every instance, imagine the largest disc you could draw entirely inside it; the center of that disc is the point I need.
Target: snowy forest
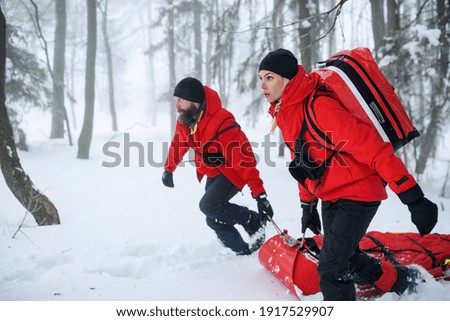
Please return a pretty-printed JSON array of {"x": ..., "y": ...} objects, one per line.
[
  {"x": 65, "y": 57},
  {"x": 83, "y": 71}
]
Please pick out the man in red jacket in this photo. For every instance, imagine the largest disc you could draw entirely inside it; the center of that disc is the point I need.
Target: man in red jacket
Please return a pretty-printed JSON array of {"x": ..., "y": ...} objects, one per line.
[
  {"x": 224, "y": 155},
  {"x": 352, "y": 186}
]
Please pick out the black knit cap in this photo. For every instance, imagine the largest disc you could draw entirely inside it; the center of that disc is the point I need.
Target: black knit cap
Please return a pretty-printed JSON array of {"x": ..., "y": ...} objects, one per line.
[
  {"x": 281, "y": 62},
  {"x": 190, "y": 89}
]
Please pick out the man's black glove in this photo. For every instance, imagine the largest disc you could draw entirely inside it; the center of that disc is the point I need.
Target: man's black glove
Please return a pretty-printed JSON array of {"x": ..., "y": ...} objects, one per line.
[
  {"x": 264, "y": 207},
  {"x": 310, "y": 217},
  {"x": 167, "y": 179},
  {"x": 424, "y": 213}
]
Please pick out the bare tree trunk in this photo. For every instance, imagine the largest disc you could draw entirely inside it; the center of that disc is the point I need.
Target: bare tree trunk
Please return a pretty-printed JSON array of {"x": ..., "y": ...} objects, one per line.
[
  {"x": 393, "y": 41},
  {"x": 332, "y": 40},
  {"x": 278, "y": 43},
  {"x": 377, "y": 7},
  {"x": 72, "y": 87},
  {"x": 440, "y": 93},
  {"x": 197, "y": 8},
  {"x": 151, "y": 72},
  {"x": 84, "y": 141},
  {"x": 59, "y": 113},
  {"x": 393, "y": 17},
  {"x": 305, "y": 35},
  {"x": 112, "y": 104},
  {"x": 209, "y": 41},
  {"x": 317, "y": 29},
  {"x": 276, "y": 17},
  {"x": 171, "y": 47},
  {"x": 20, "y": 184}
]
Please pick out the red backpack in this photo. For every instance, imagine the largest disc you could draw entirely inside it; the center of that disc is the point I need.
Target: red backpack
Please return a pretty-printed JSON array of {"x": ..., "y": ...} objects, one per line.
[{"x": 355, "y": 80}]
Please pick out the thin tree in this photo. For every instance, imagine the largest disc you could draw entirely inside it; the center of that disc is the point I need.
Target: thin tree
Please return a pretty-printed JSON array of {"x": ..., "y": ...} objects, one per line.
[
  {"x": 20, "y": 184},
  {"x": 277, "y": 37},
  {"x": 304, "y": 30},
  {"x": 210, "y": 10},
  {"x": 151, "y": 68},
  {"x": 112, "y": 105},
  {"x": 59, "y": 112},
  {"x": 171, "y": 49},
  {"x": 377, "y": 7},
  {"x": 84, "y": 141},
  {"x": 440, "y": 94},
  {"x": 222, "y": 60},
  {"x": 197, "y": 9}
]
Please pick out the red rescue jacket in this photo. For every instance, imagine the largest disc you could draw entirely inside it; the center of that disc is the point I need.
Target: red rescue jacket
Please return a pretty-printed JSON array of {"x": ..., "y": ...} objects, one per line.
[
  {"x": 240, "y": 163},
  {"x": 364, "y": 163}
]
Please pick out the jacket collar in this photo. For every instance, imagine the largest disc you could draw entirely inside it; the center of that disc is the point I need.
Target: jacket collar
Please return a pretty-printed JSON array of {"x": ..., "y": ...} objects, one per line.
[
  {"x": 207, "y": 109},
  {"x": 300, "y": 87}
]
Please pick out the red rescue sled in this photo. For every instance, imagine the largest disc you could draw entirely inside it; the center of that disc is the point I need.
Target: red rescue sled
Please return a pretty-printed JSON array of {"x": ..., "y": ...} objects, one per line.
[{"x": 295, "y": 264}]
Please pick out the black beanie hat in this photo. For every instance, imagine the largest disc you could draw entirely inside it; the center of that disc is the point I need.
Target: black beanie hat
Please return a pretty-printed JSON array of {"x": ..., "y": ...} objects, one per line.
[
  {"x": 190, "y": 89},
  {"x": 281, "y": 62}
]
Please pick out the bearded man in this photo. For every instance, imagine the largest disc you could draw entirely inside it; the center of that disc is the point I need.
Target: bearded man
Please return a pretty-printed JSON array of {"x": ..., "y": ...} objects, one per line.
[{"x": 224, "y": 155}]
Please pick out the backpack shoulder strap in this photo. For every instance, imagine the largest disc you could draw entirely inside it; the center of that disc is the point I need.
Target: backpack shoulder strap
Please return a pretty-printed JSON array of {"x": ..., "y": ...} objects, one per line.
[
  {"x": 300, "y": 146},
  {"x": 216, "y": 135},
  {"x": 320, "y": 136},
  {"x": 220, "y": 132},
  {"x": 310, "y": 125}
]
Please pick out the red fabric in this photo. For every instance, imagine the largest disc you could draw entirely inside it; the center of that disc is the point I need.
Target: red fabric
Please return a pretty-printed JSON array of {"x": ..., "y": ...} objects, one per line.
[
  {"x": 361, "y": 60},
  {"x": 240, "y": 168},
  {"x": 388, "y": 276},
  {"x": 389, "y": 273},
  {"x": 296, "y": 268},
  {"x": 366, "y": 162},
  {"x": 406, "y": 249}
]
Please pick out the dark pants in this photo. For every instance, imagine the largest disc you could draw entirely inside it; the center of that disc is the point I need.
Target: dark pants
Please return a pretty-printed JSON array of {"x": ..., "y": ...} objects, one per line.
[
  {"x": 221, "y": 215},
  {"x": 341, "y": 263}
]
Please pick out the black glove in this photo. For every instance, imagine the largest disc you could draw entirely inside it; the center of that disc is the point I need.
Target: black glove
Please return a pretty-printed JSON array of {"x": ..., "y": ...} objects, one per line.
[
  {"x": 310, "y": 217},
  {"x": 264, "y": 207},
  {"x": 424, "y": 213},
  {"x": 167, "y": 179}
]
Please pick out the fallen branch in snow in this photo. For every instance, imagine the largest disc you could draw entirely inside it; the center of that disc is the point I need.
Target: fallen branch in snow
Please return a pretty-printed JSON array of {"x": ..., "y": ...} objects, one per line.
[
  {"x": 36, "y": 207},
  {"x": 19, "y": 228}
]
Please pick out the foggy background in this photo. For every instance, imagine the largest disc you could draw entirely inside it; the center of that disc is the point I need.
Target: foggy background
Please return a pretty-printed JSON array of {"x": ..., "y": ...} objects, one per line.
[{"x": 143, "y": 48}]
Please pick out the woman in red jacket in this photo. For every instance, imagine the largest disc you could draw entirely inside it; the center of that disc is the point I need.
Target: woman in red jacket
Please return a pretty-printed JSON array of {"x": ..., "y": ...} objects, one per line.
[
  {"x": 224, "y": 155},
  {"x": 352, "y": 186}
]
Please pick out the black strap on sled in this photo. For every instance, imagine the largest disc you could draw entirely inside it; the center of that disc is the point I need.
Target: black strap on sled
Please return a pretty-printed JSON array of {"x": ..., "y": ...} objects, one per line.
[
  {"x": 430, "y": 254},
  {"x": 442, "y": 237},
  {"x": 384, "y": 249},
  {"x": 311, "y": 247}
]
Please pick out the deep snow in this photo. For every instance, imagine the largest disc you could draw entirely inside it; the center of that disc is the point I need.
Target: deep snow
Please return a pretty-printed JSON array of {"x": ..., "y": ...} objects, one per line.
[{"x": 124, "y": 236}]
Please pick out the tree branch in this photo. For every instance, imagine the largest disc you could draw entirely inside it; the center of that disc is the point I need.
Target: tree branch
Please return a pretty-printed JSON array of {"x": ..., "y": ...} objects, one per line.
[
  {"x": 37, "y": 25},
  {"x": 336, "y": 8}
]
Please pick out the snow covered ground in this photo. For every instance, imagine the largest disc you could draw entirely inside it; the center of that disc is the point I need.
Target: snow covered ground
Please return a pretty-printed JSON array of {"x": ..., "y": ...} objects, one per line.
[{"x": 124, "y": 236}]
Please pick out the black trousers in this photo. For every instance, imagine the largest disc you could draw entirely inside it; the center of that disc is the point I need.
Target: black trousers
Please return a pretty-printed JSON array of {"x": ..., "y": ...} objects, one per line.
[
  {"x": 221, "y": 215},
  {"x": 341, "y": 263}
]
